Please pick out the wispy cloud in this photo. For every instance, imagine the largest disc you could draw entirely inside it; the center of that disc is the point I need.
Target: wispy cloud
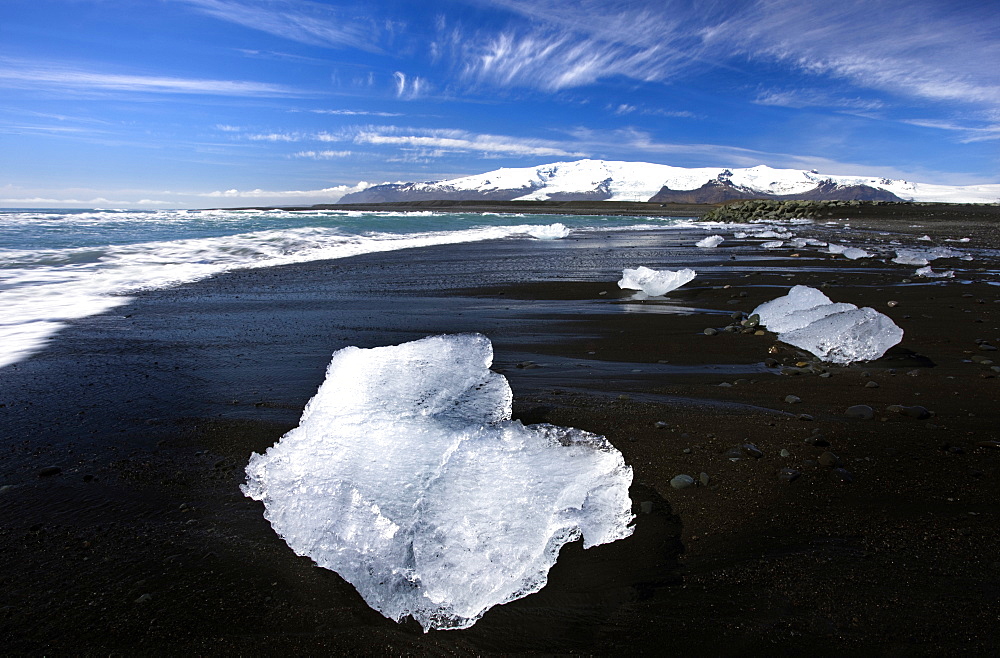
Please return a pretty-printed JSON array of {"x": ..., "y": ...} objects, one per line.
[
  {"x": 24, "y": 75},
  {"x": 409, "y": 86},
  {"x": 311, "y": 23},
  {"x": 350, "y": 113},
  {"x": 803, "y": 98},
  {"x": 915, "y": 48},
  {"x": 968, "y": 134},
  {"x": 440, "y": 142},
  {"x": 322, "y": 155},
  {"x": 332, "y": 193}
]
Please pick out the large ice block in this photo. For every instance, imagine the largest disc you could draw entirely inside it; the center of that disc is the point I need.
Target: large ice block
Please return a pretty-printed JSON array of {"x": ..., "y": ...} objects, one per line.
[
  {"x": 861, "y": 334},
  {"x": 654, "y": 282},
  {"x": 407, "y": 476}
]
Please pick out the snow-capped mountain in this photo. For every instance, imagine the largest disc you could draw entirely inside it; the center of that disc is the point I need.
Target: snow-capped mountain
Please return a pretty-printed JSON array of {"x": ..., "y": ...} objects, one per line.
[{"x": 643, "y": 181}]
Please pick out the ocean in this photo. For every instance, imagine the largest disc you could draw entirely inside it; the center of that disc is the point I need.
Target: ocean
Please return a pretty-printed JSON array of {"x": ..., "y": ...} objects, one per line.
[{"x": 60, "y": 265}]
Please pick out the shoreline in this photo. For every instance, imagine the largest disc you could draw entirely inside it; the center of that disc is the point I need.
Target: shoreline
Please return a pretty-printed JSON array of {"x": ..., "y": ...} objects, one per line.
[{"x": 143, "y": 541}]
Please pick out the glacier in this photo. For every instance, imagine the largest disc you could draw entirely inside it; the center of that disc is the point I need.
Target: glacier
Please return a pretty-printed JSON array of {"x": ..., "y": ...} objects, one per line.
[
  {"x": 407, "y": 476},
  {"x": 654, "y": 282},
  {"x": 836, "y": 332}
]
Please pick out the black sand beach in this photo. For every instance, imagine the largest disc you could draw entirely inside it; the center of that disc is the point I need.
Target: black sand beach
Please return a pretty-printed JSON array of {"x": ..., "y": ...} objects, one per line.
[{"x": 123, "y": 530}]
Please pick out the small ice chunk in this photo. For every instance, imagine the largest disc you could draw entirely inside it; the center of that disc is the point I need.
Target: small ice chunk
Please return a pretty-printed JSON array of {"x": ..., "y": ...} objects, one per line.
[
  {"x": 770, "y": 233},
  {"x": 957, "y": 240},
  {"x": 925, "y": 238},
  {"x": 799, "y": 298},
  {"x": 931, "y": 274},
  {"x": 861, "y": 334},
  {"x": 802, "y": 317},
  {"x": 710, "y": 242},
  {"x": 407, "y": 476},
  {"x": 774, "y": 244},
  {"x": 554, "y": 231},
  {"x": 852, "y": 253},
  {"x": 910, "y": 257},
  {"x": 654, "y": 282},
  {"x": 739, "y": 235}
]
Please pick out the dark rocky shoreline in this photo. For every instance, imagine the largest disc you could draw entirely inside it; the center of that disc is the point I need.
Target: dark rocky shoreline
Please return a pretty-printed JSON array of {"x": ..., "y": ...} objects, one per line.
[{"x": 882, "y": 543}]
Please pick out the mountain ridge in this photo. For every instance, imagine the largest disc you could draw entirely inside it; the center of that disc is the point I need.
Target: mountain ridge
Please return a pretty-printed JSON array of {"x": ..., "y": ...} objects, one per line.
[{"x": 610, "y": 180}]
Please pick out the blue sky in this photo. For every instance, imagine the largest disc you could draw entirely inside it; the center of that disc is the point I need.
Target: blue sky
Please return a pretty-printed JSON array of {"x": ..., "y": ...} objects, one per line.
[{"x": 196, "y": 103}]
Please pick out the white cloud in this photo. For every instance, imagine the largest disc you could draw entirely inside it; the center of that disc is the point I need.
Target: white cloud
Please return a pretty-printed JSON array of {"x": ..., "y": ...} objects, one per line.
[
  {"x": 918, "y": 48},
  {"x": 311, "y": 23},
  {"x": 26, "y": 75},
  {"x": 322, "y": 155},
  {"x": 450, "y": 141},
  {"x": 409, "y": 87},
  {"x": 331, "y": 194},
  {"x": 357, "y": 113}
]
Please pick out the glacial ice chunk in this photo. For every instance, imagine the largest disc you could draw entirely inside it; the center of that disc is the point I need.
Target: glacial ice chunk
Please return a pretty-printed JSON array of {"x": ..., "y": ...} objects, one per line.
[
  {"x": 931, "y": 274},
  {"x": 774, "y": 244},
  {"x": 923, "y": 256},
  {"x": 407, "y": 476},
  {"x": 910, "y": 257},
  {"x": 852, "y": 253},
  {"x": 799, "y": 298},
  {"x": 654, "y": 282},
  {"x": 836, "y": 332},
  {"x": 802, "y": 317},
  {"x": 710, "y": 242},
  {"x": 555, "y": 231},
  {"x": 861, "y": 334}
]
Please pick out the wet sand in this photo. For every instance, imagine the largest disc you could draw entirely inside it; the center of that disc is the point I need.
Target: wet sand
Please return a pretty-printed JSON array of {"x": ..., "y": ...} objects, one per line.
[{"x": 142, "y": 542}]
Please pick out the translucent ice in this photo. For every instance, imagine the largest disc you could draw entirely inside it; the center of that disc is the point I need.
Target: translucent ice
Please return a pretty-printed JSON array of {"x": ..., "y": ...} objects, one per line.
[
  {"x": 861, "y": 334},
  {"x": 852, "y": 253},
  {"x": 798, "y": 298},
  {"x": 407, "y": 477},
  {"x": 923, "y": 256},
  {"x": 774, "y": 244},
  {"x": 555, "y": 231},
  {"x": 710, "y": 242},
  {"x": 802, "y": 317},
  {"x": 837, "y": 332},
  {"x": 931, "y": 274},
  {"x": 654, "y": 282},
  {"x": 910, "y": 257}
]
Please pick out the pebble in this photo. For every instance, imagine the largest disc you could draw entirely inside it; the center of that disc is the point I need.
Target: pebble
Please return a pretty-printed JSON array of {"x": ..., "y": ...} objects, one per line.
[
  {"x": 770, "y": 363},
  {"x": 711, "y": 331},
  {"x": 49, "y": 470},
  {"x": 871, "y": 385},
  {"x": 988, "y": 444},
  {"x": 788, "y": 475},
  {"x": 841, "y": 475},
  {"x": 892, "y": 303},
  {"x": 806, "y": 417},
  {"x": 979, "y": 358},
  {"x": 660, "y": 424},
  {"x": 792, "y": 399},
  {"x": 784, "y": 453},
  {"x": 862, "y": 411},
  {"x": 915, "y": 411},
  {"x": 828, "y": 459},
  {"x": 986, "y": 347},
  {"x": 145, "y": 598},
  {"x": 752, "y": 450},
  {"x": 704, "y": 479},
  {"x": 646, "y": 507},
  {"x": 681, "y": 481}
]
